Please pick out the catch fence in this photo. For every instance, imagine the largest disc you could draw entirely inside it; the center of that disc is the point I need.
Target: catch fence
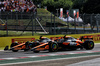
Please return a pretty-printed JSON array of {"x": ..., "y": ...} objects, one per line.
[{"x": 48, "y": 23}]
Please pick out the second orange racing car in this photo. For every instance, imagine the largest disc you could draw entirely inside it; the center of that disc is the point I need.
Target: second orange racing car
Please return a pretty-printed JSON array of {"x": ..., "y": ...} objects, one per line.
[
  {"x": 54, "y": 44},
  {"x": 64, "y": 43}
]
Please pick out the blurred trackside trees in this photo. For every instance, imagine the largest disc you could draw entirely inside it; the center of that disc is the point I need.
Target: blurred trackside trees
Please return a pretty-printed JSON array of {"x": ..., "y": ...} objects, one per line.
[
  {"x": 66, "y": 4},
  {"x": 92, "y": 6},
  {"x": 87, "y": 6},
  {"x": 84, "y": 6},
  {"x": 79, "y": 4},
  {"x": 55, "y": 4}
]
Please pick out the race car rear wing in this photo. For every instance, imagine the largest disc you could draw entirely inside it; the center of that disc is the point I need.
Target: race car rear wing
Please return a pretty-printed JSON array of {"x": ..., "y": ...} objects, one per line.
[{"x": 86, "y": 37}]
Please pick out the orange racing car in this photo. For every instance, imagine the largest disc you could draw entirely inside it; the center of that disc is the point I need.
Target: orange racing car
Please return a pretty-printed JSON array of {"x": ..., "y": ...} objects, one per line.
[
  {"x": 55, "y": 43},
  {"x": 64, "y": 43}
]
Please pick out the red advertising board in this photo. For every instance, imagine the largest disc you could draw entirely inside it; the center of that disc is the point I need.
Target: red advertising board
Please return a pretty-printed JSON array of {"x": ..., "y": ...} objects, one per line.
[
  {"x": 96, "y": 37},
  {"x": 22, "y": 40}
]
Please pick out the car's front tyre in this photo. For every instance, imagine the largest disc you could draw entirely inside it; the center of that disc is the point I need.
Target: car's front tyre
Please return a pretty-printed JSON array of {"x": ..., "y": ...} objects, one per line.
[{"x": 53, "y": 46}]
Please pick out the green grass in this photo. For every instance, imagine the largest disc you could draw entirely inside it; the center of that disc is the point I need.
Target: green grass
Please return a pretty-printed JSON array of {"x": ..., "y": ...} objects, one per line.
[
  {"x": 15, "y": 33},
  {"x": 1, "y": 48},
  {"x": 45, "y": 15},
  {"x": 29, "y": 33},
  {"x": 18, "y": 33}
]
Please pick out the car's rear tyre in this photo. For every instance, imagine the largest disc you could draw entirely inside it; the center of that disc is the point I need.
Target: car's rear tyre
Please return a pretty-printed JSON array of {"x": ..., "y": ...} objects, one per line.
[
  {"x": 88, "y": 45},
  {"x": 53, "y": 46},
  {"x": 12, "y": 45}
]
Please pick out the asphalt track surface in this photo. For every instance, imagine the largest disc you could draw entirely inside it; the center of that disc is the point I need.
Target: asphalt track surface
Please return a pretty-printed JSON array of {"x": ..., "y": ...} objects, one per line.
[
  {"x": 61, "y": 62},
  {"x": 21, "y": 53}
]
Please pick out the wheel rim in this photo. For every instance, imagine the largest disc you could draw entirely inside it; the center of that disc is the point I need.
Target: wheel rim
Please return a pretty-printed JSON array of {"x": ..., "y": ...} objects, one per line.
[
  {"x": 54, "y": 46},
  {"x": 30, "y": 45},
  {"x": 91, "y": 44}
]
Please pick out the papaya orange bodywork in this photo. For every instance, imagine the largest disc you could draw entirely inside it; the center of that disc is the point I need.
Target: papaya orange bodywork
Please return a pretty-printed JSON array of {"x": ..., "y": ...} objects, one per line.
[
  {"x": 41, "y": 45},
  {"x": 18, "y": 45},
  {"x": 77, "y": 44},
  {"x": 18, "y": 48},
  {"x": 47, "y": 47},
  {"x": 65, "y": 43},
  {"x": 23, "y": 47},
  {"x": 39, "y": 48}
]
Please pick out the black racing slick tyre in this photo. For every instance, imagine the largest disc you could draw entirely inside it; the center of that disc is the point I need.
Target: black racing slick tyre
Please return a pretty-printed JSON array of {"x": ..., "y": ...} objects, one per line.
[
  {"x": 12, "y": 45},
  {"x": 88, "y": 45},
  {"x": 53, "y": 46},
  {"x": 27, "y": 46}
]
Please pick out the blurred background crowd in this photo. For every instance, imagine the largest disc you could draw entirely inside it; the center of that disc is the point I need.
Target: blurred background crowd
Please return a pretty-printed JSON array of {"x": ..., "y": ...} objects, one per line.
[{"x": 17, "y": 5}]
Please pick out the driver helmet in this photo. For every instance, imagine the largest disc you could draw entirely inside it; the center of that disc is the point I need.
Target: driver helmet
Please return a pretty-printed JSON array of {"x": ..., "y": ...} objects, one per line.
[
  {"x": 41, "y": 37},
  {"x": 65, "y": 37},
  {"x": 15, "y": 42}
]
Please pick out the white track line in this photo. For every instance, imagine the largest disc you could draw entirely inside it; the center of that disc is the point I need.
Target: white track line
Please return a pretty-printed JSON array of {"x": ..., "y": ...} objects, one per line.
[{"x": 70, "y": 53}]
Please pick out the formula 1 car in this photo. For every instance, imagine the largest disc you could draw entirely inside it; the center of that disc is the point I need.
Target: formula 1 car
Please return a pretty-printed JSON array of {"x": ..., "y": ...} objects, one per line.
[
  {"x": 16, "y": 46},
  {"x": 54, "y": 44},
  {"x": 28, "y": 45},
  {"x": 64, "y": 43}
]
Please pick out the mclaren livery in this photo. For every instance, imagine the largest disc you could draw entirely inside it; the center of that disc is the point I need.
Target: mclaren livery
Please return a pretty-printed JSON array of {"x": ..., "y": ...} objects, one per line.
[{"x": 54, "y": 44}]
